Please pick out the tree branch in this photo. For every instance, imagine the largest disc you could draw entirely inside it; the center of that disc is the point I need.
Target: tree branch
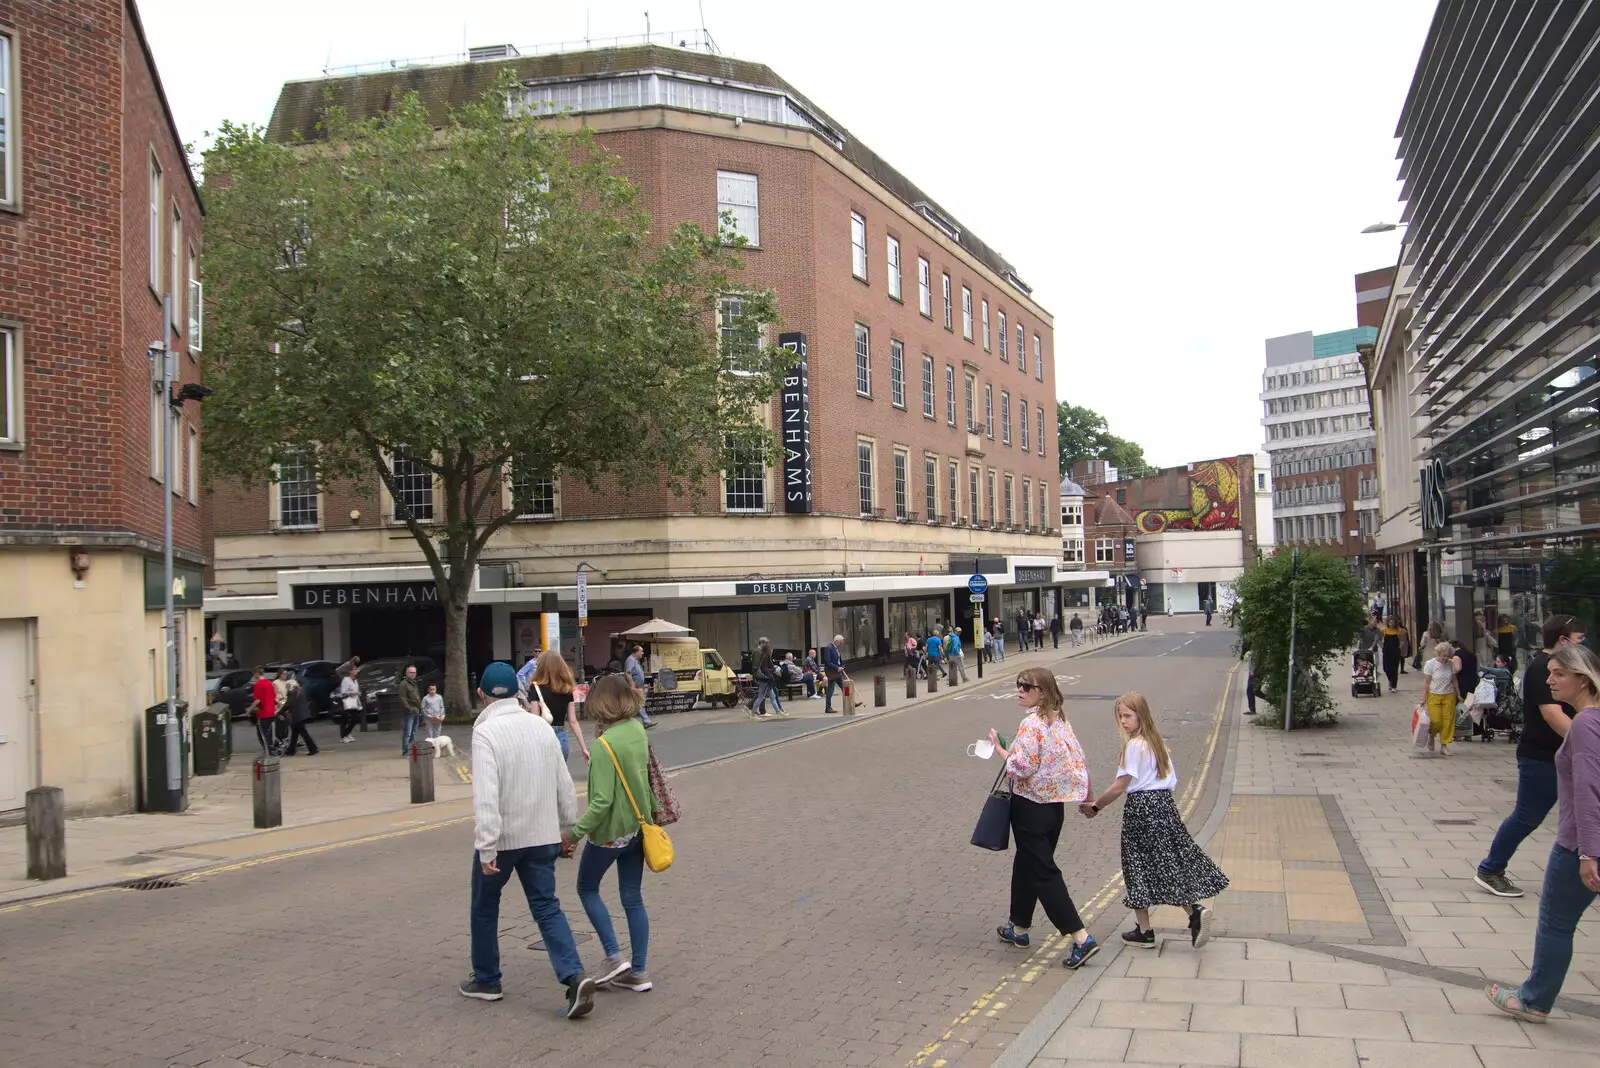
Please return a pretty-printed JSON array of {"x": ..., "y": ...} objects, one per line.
[{"x": 386, "y": 476}]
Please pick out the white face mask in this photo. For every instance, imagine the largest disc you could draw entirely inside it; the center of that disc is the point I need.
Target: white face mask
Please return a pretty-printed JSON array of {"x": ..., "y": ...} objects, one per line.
[{"x": 983, "y": 749}]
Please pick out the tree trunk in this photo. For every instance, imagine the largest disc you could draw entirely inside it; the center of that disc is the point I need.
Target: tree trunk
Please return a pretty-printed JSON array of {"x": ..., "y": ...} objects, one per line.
[{"x": 458, "y": 695}]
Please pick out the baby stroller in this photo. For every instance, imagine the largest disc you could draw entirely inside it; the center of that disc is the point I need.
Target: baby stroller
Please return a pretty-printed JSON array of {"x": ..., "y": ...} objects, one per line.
[
  {"x": 1505, "y": 713},
  {"x": 1364, "y": 683}
]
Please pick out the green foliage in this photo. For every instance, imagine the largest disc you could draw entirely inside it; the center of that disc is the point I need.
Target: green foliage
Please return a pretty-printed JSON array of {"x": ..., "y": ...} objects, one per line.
[
  {"x": 489, "y": 296},
  {"x": 1573, "y": 584},
  {"x": 1329, "y": 618},
  {"x": 1083, "y": 434}
]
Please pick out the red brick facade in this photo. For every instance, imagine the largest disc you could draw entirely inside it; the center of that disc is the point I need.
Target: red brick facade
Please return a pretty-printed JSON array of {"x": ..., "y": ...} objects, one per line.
[{"x": 75, "y": 277}]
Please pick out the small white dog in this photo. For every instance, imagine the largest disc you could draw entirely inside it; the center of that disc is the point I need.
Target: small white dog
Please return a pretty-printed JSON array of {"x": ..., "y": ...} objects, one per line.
[{"x": 441, "y": 745}]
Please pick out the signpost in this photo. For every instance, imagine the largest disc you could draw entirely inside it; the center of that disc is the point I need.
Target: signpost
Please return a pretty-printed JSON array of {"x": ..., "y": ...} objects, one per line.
[
  {"x": 583, "y": 599},
  {"x": 978, "y": 588}
]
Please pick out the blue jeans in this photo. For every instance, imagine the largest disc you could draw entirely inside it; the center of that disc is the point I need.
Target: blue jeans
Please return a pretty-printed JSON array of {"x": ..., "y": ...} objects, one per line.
[
  {"x": 536, "y": 868},
  {"x": 566, "y": 743},
  {"x": 1561, "y": 905},
  {"x": 409, "y": 727},
  {"x": 592, "y": 868},
  {"x": 765, "y": 690},
  {"x": 1536, "y": 796}
]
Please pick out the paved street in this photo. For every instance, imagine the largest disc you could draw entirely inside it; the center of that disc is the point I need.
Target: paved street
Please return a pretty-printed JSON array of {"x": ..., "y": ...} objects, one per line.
[{"x": 824, "y": 909}]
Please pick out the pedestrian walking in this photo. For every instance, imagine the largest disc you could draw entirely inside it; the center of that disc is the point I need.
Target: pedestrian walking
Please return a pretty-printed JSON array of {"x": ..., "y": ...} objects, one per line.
[
  {"x": 349, "y": 705},
  {"x": 552, "y": 686},
  {"x": 433, "y": 711},
  {"x": 1546, "y": 722},
  {"x": 766, "y": 681},
  {"x": 1055, "y": 632},
  {"x": 1161, "y": 864},
  {"x": 1439, "y": 695},
  {"x": 1038, "y": 632},
  {"x": 998, "y": 633},
  {"x": 1047, "y": 773},
  {"x": 1393, "y": 637},
  {"x": 1571, "y": 880},
  {"x": 935, "y": 651},
  {"x": 1210, "y": 606},
  {"x": 833, "y": 668},
  {"x": 1368, "y": 641},
  {"x": 411, "y": 701},
  {"x": 634, "y": 666},
  {"x": 1075, "y": 630},
  {"x": 523, "y": 802},
  {"x": 1252, "y": 683},
  {"x": 617, "y": 781},
  {"x": 264, "y": 705},
  {"x": 912, "y": 649},
  {"x": 1144, "y": 617},
  {"x": 297, "y": 709},
  {"x": 954, "y": 658}
]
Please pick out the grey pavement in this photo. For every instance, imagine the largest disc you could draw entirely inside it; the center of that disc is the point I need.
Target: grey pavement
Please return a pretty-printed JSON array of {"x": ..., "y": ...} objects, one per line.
[{"x": 824, "y": 909}]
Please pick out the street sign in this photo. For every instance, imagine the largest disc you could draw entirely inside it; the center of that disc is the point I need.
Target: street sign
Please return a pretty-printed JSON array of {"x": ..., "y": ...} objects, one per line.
[
  {"x": 978, "y": 584},
  {"x": 583, "y": 599},
  {"x": 802, "y": 603},
  {"x": 976, "y": 598}
]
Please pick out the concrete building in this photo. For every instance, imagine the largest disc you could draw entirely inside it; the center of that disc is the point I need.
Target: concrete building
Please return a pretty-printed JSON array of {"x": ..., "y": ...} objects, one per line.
[
  {"x": 99, "y": 219},
  {"x": 1266, "y": 527},
  {"x": 1319, "y": 438},
  {"x": 1487, "y": 356},
  {"x": 931, "y": 379},
  {"x": 1072, "y": 525}
]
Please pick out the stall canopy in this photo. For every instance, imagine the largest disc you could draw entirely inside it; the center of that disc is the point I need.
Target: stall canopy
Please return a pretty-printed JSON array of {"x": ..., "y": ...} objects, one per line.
[{"x": 657, "y": 628}]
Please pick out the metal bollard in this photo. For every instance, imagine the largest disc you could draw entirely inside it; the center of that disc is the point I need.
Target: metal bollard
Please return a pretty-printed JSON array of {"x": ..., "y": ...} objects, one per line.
[
  {"x": 267, "y": 790},
  {"x": 421, "y": 775},
  {"x": 911, "y": 684},
  {"x": 933, "y": 681},
  {"x": 880, "y": 691},
  {"x": 47, "y": 832}
]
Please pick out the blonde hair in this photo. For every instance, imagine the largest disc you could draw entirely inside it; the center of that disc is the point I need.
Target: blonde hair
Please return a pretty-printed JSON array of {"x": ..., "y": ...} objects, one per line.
[
  {"x": 1050, "y": 709},
  {"x": 612, "y": 700},
  {"x": 552, "y": 671},
  {"x": 1134, "y": 702},
  {"x": 1580, "y": 660},
  {"x": 1444, "y": 649}
]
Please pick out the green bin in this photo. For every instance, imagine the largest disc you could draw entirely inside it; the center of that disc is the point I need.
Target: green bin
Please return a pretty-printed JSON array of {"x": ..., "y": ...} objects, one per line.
[
  {"x": 166, "y": 758},
  {"x": 210, "y": 734}
]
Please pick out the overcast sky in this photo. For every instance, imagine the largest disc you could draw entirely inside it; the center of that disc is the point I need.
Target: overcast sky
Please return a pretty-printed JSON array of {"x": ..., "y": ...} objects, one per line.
[{"x": 1178, "y": 181}]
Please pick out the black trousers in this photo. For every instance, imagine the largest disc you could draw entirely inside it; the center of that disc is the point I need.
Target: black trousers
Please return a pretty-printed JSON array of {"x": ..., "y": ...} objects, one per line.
[
  {"x": 1035, "y": 878},
  {"x": 298, "y": 734},
  {"x": 1391, "y": 666}
]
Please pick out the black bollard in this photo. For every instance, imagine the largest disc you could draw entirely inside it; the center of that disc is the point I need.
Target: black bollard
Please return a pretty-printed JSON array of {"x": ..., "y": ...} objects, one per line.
[{"x": 422, "y": 759}]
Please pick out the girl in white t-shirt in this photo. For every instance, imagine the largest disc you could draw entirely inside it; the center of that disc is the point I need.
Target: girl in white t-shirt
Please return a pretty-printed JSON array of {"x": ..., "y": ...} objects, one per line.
[{"x": 1161, "y": 864}]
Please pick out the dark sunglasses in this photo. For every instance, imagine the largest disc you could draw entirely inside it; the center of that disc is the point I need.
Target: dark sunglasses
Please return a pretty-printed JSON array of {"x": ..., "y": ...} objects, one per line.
[{"x": 1025, "y": 685}]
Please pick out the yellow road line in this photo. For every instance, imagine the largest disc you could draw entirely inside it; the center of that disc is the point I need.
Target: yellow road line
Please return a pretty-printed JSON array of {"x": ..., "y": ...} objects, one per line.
[{"x": 1034, "y": 966}]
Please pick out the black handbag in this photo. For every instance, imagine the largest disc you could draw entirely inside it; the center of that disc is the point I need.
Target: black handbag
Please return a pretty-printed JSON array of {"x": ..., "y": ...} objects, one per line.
[{"x": 994, "y": 822}]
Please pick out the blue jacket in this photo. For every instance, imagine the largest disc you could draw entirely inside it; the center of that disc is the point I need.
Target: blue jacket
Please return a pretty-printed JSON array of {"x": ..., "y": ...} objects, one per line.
[
  {"x": 935, "y": 646},
  {"x": 831, "y": 657},
  {"x": 952, "y": 645}
]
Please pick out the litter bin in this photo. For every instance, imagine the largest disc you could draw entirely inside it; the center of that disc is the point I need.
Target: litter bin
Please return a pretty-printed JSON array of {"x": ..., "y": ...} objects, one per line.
[
  {"x": 166, "y": 758},
  {"x": 211, "y": 729}
]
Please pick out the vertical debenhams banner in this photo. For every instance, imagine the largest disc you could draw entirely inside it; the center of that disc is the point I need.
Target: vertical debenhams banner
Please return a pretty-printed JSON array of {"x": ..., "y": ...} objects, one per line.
[{"x": 796, "y": 430}]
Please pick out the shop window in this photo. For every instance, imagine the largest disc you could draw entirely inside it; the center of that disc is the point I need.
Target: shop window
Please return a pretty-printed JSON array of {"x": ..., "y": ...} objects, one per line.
[{"x": 859, "y": 624}]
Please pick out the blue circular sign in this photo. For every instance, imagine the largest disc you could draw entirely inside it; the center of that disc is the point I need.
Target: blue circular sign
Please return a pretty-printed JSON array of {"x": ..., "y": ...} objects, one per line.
[{"x": 977, "y": 584}]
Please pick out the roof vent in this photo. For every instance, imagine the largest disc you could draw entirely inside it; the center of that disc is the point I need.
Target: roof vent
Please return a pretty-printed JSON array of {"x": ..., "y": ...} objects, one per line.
[
  {"x": 946, "y": 225},
  {"x": 489, "y": 53}
]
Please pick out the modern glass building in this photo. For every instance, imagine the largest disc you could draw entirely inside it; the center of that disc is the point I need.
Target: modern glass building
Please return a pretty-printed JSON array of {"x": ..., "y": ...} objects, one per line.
[{"x": 1483, "y": 376}]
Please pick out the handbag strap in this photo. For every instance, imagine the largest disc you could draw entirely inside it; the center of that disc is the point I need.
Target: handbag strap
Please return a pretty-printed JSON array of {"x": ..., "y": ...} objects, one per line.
[{"x": 624, "y": 780}]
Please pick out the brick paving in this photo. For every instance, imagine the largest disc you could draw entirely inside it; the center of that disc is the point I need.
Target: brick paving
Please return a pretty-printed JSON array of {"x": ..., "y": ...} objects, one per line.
[
  {"x": 1381, "y": 960},
  {"x": 825, "y": 909}
]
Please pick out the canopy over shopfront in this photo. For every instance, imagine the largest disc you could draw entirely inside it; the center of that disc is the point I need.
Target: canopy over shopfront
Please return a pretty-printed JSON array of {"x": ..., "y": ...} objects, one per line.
[{"x": 657, "y": 628}]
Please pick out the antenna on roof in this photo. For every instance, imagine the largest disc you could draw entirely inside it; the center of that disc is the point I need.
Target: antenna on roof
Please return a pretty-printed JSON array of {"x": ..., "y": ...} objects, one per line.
[
  {"x": 327, "y": 64},
  {"x": 705, "y": 34},
  {"x": 647, "y": 27}
]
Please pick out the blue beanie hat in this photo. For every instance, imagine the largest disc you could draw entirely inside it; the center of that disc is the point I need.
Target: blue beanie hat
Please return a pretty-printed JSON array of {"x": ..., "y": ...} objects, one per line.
[{"x": 498, "y": 680}]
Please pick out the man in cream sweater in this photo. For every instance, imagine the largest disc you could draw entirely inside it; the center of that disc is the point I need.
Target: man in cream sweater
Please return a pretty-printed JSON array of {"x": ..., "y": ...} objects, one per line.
[{"x": 523, "y": 803}]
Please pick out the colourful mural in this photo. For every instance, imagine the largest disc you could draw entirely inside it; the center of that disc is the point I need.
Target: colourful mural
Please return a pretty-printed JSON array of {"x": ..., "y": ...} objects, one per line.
[{"x": 1213, "y": 502}]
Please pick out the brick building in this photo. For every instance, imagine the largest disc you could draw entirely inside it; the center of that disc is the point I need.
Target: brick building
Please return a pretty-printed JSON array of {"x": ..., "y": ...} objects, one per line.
[
  {"x": 931, "y": 383},
  {"x": 99, "y": 218}
]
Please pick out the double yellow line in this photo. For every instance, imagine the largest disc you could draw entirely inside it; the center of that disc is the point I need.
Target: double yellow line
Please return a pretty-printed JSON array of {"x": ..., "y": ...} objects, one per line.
[{"x": 991, "y": 1004}]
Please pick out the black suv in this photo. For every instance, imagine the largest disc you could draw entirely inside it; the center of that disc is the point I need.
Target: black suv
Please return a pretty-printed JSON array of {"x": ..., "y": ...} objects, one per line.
[{"x": 380, "y": 682}]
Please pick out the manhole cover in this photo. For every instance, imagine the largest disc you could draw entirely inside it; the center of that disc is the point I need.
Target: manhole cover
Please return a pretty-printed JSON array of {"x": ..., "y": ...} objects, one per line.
[
  {"x": 1455, "y": 823},
  {"x": 153, "y": 884},
  {"x": 577, "y": 936}
]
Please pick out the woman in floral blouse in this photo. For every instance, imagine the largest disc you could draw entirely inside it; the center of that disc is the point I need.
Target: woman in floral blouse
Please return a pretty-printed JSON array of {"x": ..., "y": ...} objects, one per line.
[{"x": 1048, "y": 772}]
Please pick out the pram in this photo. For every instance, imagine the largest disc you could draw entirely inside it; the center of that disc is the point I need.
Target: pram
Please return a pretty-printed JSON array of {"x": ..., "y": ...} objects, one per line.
[
  {"x": 1364, "y": 681},
  {"x": 1505, "y": 714}
]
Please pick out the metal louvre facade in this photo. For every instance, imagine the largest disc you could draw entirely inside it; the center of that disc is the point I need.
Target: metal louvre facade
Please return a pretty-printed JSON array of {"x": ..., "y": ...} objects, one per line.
[{"x": 1500, "y": 143}]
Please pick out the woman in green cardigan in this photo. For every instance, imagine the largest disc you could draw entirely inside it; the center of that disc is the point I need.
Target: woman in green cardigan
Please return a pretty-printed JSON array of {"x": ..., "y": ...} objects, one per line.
[{"x": 613, "y": 829}]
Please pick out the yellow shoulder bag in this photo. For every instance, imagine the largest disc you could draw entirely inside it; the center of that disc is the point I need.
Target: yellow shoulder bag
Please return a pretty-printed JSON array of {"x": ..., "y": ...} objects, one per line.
[{"x": 657, "y": 846}]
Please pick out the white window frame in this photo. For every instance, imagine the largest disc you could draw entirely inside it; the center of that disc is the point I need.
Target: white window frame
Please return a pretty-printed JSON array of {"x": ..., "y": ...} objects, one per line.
[
  {"x": 278, "y": 499},
  {"x": 1072, "y": 515},
  {"x": 194, "y": 465},
  {"x": 515, "y": 505},
  {"x": 990, "y": 499},
  {"x": 866, "y": 475},
  {"x": 953, "y": 488},
  {"x": 10, "y": 126},
  {"x": 892, "y": 254},
  {"x": 1105, "y": 551},
  {"x": 730, "y": 308},
  {"x": 902, "y": 483},
  {"x": 1072, "y": 550},
  {"x": 949, "y": 306},
  {"x": 897, "y": 373},
  {"x": 157, "y": 419},
  {"x": 196, "y": 305},
  {"x": 1005, "y": 417},
  {"x": 858, "y": 245},
  {"x": 11, "y": 427},
  {"x": 732, "y": 198},
  {"x": 969, "y": 383},
  {"x": 175, "y": 253},
  {"x": 863, "y": 360},
  {"x": 433, "y": 490},
  {"x": 1038, "y": 359},
  {"x": 988, "y": 410},
  {"x": 1008, "y": 489},
  {"x": 973, "y": 514},
  {"x": 746, "y": 483},
  {"x": 950, "y": 394},
  {"x": 175, "y": 432},
  {"x": 928, "y": 399},
  {"x": 158, "y": 222},
  {"x": 1022, "y": 348},
  {"x": 1022, "y": 423},
  {"x": 924, "y": 287},
  {"x": 930, "y": 487},
  {"x": 1027, "y": 503},
  {"x": 1005, "y": 352},
  {"x": 966, "y": 313},
  {"x": 985, "y": 304}
]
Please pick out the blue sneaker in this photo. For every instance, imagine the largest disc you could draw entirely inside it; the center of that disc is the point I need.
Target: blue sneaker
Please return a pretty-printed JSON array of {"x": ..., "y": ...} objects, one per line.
[
  {"x": 1009, "y": 934},
  {"x": 1081, "y": 952}
]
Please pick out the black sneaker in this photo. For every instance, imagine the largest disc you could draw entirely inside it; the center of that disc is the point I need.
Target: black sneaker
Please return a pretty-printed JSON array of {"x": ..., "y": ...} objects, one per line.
[
  {"x": 1497, "y": 884},
  {"x": 1199, "y": 925},
  {"x": 580, "y": 997},
  {"x": 1140, "y": 939},
  {"x": 1081, "y": 952},
  {"x": 481, "y": 991}
]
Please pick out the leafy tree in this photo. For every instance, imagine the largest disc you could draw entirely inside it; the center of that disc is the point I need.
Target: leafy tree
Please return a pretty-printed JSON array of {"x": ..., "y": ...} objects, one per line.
[
  {"x": 1574, "y": 583},
  {"x": 1329, "y": 618},
  {"x": 487, "y": 301},
  {"x": 1083, "y": 434}
]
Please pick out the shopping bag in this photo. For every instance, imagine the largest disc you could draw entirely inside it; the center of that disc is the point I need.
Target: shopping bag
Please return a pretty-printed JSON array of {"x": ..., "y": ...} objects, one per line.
[
  {"x": 1421, "y": 728},
  {"x": 667, "y": 808},
  {"x": 994, "y": 822}
]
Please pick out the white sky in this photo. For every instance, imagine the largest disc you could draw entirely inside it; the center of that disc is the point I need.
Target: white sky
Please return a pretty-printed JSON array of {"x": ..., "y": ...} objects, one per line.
[{"x": 1177, "y": 180}]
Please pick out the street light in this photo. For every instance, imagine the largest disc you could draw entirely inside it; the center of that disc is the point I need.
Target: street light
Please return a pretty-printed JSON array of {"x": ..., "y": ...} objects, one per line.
[
  {"x": 1381, "y": 227},
  {"x": 583, "y": 606}
]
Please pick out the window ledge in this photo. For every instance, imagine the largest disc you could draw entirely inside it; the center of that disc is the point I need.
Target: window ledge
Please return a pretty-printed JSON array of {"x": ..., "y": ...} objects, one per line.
[
  {"x": 861, "y": 394},
  {"x": 12, "y": 446},
  {"x": 900, "y": 405},
  {"x": 897, "y": 300}
]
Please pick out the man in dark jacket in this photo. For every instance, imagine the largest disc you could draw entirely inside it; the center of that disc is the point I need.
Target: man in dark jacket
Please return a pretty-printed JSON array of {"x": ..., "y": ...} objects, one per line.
[
  {"x": 298, "y": 709},
  {"x": 411, "y": 701},
  {"x": 833, "y": 668}
]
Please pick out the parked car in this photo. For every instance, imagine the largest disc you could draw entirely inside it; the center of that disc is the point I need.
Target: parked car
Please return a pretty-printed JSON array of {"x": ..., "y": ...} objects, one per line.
[
  {"x": 380, "y": 682},
  {"x": 317, "y": 679},
  {"x": 233, "y": 689}
]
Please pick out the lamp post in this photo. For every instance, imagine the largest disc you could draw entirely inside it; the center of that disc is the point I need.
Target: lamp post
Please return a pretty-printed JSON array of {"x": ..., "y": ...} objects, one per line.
[
  {"x": 583, "y": 606},
  {"x": 1294, "y": 619}
]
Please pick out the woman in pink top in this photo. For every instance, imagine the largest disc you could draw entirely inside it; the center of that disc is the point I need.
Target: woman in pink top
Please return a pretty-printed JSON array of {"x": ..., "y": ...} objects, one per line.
[{"x": 1048, "y": 773}]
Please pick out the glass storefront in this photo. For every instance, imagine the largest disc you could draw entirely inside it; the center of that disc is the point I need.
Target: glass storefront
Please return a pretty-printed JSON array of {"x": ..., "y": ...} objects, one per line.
[
  {"x": 917, "y": 618},
  {"x": 861, "y": 625},
  {"x": 736, "y": 632}
]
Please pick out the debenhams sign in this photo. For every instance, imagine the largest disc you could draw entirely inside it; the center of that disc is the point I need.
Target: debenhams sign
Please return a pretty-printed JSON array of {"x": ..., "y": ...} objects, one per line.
[{"x": 367, "y": 595}]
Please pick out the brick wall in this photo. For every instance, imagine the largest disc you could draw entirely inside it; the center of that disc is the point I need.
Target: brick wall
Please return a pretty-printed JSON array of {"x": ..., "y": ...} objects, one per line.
[{"x": 69, "y": 261}]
